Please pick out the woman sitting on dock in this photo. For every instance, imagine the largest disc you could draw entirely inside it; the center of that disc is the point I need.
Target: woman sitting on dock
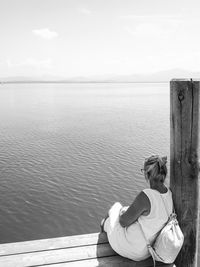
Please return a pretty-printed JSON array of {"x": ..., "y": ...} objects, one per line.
[{"x": 123, "y": 224}]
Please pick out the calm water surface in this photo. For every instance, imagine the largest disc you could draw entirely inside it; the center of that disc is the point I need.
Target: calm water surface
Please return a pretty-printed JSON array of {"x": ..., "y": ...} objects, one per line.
[{"x": 68, "y": 151}]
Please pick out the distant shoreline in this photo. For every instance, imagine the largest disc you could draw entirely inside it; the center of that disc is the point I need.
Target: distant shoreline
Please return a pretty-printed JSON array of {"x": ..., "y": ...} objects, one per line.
[{"x": 71, "y": 82}]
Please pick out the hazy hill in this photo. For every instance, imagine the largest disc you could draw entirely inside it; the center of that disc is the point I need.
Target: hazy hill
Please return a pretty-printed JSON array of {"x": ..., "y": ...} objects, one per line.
[{"x": 162, "y": 76}]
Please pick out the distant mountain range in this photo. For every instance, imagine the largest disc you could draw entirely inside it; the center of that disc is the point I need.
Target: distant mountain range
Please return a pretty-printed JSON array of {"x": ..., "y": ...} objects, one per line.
[{"x": 162, "y": 76}]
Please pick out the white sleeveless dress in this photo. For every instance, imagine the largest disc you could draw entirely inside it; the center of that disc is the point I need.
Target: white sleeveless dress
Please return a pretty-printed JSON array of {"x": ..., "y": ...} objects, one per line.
[{"x": 129, "y": 241}]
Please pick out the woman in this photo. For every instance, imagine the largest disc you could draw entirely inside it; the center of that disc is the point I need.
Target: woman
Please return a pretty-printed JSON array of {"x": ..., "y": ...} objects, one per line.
[{"x": 148, "y": 211}]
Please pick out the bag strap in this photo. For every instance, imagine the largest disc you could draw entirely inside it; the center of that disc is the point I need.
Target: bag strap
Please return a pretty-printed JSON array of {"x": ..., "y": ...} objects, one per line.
[{"x": 150, "y": 249}]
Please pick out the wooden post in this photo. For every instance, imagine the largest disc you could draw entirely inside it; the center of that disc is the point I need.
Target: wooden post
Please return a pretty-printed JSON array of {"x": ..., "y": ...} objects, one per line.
[{"x": 184, "y": 164}]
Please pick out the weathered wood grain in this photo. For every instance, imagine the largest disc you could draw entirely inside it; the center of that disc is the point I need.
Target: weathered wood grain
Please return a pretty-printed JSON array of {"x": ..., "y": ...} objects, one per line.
[
  {"x": 53, "y": 243},
  {"x": 114, "y": 261},
  {"x": 57, "y": 255},
  {"x": 184, "y": 165},
  {"x": 85, "y": 250}
]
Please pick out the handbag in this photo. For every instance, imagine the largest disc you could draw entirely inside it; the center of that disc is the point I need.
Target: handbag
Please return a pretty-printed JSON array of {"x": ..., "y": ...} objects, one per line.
[{"x": 168, "y": 242}]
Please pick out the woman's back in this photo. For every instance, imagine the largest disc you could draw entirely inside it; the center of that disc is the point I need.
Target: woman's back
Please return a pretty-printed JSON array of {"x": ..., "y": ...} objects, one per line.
[
  {"x": 151, "y": 224},
  {"x": 161, "y": 208}
]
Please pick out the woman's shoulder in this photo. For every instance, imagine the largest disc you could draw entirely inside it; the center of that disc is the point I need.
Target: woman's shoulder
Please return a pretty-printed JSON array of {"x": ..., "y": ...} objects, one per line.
[
  {"x": 150, "y": 194},
  {"x": 153, "y": 194},
  {"x": 163, "y": 191},
  {"x": 149, "y": 191}
]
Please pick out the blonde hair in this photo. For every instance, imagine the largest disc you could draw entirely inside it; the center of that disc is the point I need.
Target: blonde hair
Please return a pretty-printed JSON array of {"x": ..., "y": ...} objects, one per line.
[{"x": 155, "y": 168}]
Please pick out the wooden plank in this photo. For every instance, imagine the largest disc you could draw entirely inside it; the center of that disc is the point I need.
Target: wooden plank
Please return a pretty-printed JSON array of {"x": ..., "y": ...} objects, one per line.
[
  {"x": 71, "y": 254},
  {"x": 106, "y": 261},
  {"x": 113, "y": 261},
  {"x": 184, "y": 166},
  {"x": 52, "y": 243},
  {"x": 57, "y": 256}
]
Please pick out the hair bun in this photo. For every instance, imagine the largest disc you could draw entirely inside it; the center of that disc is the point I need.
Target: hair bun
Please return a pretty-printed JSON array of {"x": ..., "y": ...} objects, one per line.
[
  {"x": 162, "y": 161},
  {"x": 155, "y": 168},
  {"x": 154, "y": 159}
]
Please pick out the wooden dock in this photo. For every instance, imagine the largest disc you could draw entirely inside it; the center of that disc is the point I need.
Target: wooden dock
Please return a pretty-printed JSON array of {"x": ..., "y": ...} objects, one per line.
[{"x": 81, "y": 250}]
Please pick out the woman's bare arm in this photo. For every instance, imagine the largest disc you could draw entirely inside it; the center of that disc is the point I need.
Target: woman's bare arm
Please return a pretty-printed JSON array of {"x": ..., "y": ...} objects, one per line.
[{"x": 140, "y": 206}]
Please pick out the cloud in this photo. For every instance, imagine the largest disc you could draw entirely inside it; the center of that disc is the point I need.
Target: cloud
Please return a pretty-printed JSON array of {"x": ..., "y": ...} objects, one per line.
[
  {"x": 85, "y": 11},
  {"x": 9, "y": 63},
  {"x": 168, "y": 18},
  {"x": 162, "y": 25},
  {"x": 156, "y": 26},
  {"x": 145, "y": 29},
  {"x": 45, "y": 33},
  {"x": 31, "y": 62}
]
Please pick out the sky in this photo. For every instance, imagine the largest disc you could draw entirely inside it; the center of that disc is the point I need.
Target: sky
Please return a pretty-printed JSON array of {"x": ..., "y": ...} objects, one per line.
[{"x": 72, "y": 38}]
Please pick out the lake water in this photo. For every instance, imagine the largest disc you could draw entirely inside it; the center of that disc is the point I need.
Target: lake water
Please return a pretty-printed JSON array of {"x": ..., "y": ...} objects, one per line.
[{"x": 68, "y": 151}]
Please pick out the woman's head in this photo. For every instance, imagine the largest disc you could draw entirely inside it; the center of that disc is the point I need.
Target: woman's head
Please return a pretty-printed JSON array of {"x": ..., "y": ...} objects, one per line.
[{"x": 155, "y": 169}]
